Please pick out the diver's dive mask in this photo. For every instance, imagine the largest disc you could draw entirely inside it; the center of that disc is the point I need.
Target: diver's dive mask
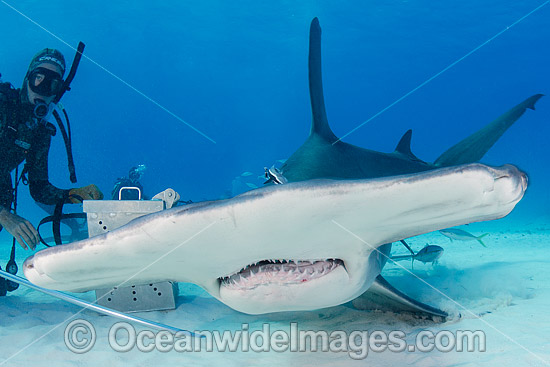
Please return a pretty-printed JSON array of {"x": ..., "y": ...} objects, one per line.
[{"x": 45, "y": 82}]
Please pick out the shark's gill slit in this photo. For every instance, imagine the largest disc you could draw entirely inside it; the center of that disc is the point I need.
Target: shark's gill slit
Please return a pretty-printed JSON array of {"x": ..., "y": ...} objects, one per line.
[{"x": 279, "y": 272}]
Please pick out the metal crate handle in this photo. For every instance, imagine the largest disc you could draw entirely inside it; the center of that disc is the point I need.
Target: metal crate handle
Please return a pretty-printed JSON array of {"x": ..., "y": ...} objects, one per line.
[{"x": 129, "y": 188}]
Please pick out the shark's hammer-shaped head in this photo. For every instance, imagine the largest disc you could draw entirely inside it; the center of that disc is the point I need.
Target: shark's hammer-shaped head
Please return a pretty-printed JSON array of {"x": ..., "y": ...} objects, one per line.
[
  {"x": 298, "y": 246},
  {"x": 332, "y": 251}
]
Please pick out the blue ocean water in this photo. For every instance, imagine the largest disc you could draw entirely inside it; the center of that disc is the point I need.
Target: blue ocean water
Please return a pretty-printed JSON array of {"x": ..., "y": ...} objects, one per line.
[{"x": 237, "y": 72}]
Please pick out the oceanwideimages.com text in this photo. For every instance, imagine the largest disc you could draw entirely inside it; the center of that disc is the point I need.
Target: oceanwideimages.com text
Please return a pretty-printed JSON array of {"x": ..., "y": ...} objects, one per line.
[{"x": 80, "y": 337}]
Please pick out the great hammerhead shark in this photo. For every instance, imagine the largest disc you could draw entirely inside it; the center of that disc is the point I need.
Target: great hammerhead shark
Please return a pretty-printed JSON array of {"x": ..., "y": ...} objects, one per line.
[
  {"x": 324, "y": 155},
  {"x": 300, "y": 245}
]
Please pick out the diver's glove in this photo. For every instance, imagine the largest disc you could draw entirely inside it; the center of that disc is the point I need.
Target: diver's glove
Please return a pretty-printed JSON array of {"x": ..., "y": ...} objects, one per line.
[{"x": 90, "y": 192}]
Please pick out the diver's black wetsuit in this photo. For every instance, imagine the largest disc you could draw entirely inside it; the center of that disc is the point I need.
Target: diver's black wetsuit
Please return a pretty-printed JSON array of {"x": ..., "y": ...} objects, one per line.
[
  {"x": 129, "y": 194},
  {"x": 21, "y": 138}
]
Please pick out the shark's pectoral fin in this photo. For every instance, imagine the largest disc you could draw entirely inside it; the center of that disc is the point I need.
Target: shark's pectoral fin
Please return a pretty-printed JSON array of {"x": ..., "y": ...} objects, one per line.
[
  {"x": 382, "y": 295},
  {"x": 474, "y": 147}
]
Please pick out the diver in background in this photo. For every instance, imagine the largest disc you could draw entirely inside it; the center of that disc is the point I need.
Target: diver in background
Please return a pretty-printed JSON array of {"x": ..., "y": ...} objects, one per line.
[
  {"x": 25, "y": 135},
  {"x": 134, "y": 175}
]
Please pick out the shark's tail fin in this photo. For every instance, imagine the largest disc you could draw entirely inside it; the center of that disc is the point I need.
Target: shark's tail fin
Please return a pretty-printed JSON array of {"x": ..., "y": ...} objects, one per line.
[
  {"x": 478, "y": 238},
  {"x": 474, "y": 147},
  {"x": 319, "y": 124}
]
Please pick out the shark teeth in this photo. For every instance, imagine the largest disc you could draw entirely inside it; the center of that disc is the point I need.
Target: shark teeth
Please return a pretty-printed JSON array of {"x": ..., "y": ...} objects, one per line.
[{"x": 279, "y": 272}]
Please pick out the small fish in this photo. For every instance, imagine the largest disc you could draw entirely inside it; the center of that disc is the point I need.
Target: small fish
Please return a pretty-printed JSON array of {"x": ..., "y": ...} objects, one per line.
[
  {"x": 429, "y": 254},
  {"x": 251, "y": 185},
  {"x": 460, "y": 235},
  {"x": 246, "y": 174},
  {"x": 274, "y": 175}
]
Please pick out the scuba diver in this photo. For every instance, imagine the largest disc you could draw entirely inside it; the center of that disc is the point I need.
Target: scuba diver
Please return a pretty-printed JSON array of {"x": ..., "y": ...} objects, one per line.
[
  {"x": 25, "y": 135},
  {"x": 131, "y": 182}
]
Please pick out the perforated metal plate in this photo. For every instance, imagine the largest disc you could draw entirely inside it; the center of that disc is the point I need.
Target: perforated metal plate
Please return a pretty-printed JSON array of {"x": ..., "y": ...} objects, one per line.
[
  {"x": 146, "y": 297},
  {"x": 106, "y": 215}
]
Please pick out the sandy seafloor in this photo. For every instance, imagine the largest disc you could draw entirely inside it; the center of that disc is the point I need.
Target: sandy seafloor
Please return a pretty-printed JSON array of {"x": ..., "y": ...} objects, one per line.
[
  {"x": 237, "y": 71},
  {"x": 507, "y": 283}
]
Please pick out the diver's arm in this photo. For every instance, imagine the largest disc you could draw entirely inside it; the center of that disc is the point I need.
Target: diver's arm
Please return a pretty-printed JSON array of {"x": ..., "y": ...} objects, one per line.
[
  {"x": 20, "y": 228},
  {"x": 37, "y": 162},
  {"x": 39, "y": 184},
  {"x": 23, "y": 231}
]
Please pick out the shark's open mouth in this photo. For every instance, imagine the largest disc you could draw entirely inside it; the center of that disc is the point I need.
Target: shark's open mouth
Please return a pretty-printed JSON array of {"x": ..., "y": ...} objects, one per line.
[{"x": 279, "y": 272}]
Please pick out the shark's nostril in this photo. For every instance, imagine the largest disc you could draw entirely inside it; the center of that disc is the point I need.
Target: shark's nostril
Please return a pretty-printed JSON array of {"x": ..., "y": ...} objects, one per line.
[
  {"x": 499, "y": 175},
  {"x": 29, "y": 263}
]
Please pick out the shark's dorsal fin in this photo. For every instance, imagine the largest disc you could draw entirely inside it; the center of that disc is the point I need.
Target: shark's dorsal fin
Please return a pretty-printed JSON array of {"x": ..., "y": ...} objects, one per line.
[
  {"x": 404, "y": 146},
  {"x": 319, "y": 125}
]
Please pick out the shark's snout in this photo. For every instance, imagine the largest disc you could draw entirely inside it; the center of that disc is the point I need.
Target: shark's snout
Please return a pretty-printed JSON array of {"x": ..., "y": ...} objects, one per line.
[
  {"x": 28, "y": 265},
  {"x": 511, "y": 181},
  {"x": 509, "y": 171},
  {"x": 35, "y": 275}
]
